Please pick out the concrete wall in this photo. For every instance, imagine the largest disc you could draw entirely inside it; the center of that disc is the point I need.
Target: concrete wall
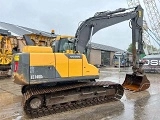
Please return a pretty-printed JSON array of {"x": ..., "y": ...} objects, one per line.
[
  {"x": 95, "y": 57},
  {"x": 111, "y": 58}
]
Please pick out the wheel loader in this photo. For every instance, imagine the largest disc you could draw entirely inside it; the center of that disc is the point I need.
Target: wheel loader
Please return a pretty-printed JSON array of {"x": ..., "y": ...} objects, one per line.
[{"x": 59, "y": 78}]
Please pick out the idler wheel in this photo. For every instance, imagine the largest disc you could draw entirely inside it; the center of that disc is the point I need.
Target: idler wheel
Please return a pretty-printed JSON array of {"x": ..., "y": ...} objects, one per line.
[{"x": 35, "y": 102}]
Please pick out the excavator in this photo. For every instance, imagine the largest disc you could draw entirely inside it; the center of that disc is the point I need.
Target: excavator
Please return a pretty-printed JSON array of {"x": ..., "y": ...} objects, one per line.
[{"x": 59, "y": 78}]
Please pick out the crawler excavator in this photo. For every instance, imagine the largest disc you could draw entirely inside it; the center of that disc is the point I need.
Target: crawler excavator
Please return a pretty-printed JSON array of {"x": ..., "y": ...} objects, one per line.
[{"x": 59, "y": 78}]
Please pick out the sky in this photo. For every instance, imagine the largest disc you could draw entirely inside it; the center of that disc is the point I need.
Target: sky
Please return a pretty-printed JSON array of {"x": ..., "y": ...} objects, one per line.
[{"x": 64, "y": 16}]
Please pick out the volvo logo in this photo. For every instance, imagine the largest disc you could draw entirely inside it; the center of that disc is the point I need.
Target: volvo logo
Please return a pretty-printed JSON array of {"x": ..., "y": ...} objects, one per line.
[{"x": 74, "y": 56}]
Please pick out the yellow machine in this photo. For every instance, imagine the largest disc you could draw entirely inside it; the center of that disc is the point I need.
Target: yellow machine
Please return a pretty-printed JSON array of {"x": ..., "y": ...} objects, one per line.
[
  {"x": 59, "y": 77},
  {"x": 10, "y": 44},
  {"x": 40, "y": 40},
  {"x": 5, "y": 50},
  {"x": 52, "y": 81},
  {"x": 52, "y": 65}
]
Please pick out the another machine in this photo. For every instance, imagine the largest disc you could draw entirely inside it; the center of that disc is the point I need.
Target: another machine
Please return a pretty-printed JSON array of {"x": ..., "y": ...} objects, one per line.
[
  {"x": 122, "y": 59},
  {"x": 5, "y": 53},
  {"x": 35, "y": 39},
  {"x": 60, "y": 78},
  {"x": 8, "y": 46}
]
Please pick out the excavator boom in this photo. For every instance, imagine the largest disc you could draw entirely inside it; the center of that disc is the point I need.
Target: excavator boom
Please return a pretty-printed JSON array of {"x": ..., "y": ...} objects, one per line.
[{"x": 102, "y": 20}]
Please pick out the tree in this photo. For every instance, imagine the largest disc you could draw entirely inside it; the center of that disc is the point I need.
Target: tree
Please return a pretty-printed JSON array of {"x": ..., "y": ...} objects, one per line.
[
  {"x": 129, "y": 48},
  {"x": 150, "y": 47}
]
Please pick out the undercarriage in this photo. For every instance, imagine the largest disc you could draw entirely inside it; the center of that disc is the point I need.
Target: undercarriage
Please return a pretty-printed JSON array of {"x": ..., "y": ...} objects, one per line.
[{"x": 39, "y": 100}]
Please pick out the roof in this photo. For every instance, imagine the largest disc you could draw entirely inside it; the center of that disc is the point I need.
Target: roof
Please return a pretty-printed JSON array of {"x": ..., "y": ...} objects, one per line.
[
  {"x": 20, "y": 31},
  {"x": 105, "y": 47}
]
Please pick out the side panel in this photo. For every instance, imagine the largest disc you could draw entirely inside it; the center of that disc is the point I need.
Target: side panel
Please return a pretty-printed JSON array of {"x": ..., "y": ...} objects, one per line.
[
  {"x": 75, "y": 65},
  {"x": 42, "y": 72},
  {"x": 61, "y": 64},
  {"x": 42, "y": 59},
  {"x": 89, "y": 69},
  {"x": 23, "y": 67},
  {"x": 42, "y": 66}
]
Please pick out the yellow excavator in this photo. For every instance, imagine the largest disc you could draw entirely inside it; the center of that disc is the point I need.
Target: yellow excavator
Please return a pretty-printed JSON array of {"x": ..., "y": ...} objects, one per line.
[{"x": 59, "y": 78}]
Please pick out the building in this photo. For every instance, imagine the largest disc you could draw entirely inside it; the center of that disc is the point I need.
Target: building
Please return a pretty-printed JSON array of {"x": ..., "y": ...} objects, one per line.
[
  {"x": 99, "y": 54},
  {"x": 102, "y": 54}
]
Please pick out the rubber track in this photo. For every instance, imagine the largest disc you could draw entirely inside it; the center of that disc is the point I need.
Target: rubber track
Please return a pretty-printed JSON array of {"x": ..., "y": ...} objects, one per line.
[{"x": 70, "y": 105}]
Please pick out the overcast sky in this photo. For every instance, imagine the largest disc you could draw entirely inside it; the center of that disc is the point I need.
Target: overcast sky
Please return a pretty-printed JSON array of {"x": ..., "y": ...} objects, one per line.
[{"x": 64, "y": 16}]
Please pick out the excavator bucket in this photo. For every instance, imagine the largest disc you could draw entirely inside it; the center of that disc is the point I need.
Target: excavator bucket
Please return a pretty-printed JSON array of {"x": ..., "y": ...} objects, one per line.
[{"x": 136, "y": 82}]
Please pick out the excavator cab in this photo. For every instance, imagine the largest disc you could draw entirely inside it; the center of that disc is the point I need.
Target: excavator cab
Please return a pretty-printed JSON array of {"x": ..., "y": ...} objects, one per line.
[{"x": 63, "y": 44}]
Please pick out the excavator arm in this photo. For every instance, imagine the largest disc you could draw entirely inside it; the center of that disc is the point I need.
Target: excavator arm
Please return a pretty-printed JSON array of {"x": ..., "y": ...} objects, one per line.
[{"x": 105, "y": 19}]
